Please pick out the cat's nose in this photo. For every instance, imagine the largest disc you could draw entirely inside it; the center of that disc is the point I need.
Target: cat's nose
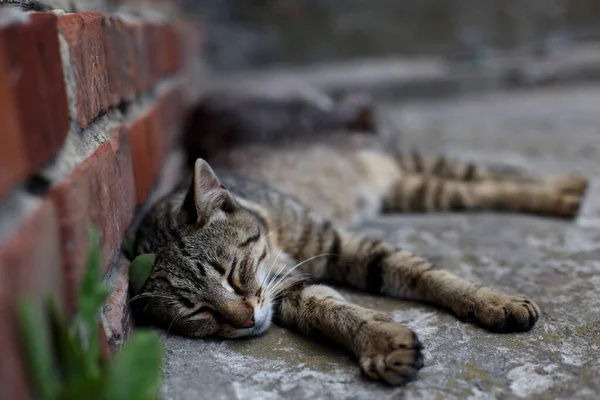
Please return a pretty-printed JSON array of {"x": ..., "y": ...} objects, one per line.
[{"x": 249, "y": 323}]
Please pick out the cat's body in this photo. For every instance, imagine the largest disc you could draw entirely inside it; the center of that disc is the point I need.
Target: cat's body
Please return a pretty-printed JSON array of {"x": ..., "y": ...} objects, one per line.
[
  {"x": 220, "y": 245},
  {"x": 244, "y": 115}
]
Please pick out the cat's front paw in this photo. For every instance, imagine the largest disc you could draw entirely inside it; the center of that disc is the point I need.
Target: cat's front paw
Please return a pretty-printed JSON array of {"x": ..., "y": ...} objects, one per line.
[
  {"x": 500, "y": 312},
  {"x": 392, "y": 353}
]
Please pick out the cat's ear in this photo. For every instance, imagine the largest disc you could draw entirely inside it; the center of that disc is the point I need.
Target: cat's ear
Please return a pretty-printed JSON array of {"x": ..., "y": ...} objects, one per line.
[{"x": 206, "y": 195}]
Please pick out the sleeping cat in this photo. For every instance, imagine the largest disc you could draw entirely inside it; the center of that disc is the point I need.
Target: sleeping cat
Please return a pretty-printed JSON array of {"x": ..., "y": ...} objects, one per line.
[{"x": 253, "y": 241}]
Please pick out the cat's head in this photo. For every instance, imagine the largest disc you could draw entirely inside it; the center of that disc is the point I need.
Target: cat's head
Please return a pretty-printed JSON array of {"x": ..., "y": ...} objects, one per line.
[{"x": 209, "y": 279}]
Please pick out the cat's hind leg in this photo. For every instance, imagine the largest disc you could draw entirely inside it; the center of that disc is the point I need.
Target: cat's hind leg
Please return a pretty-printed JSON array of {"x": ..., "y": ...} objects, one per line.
[
  {"x": 420, "y": 193},
  {"x": 385, "y": 350},
  {"x": 443, "y": 167}
]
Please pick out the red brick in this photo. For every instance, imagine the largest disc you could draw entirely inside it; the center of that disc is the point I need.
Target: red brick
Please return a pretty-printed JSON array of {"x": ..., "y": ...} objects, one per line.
[
  {"x": 191, "y": 39},
  {"x": 166, "y": 59},
  {"x": 171, "y": 106},
  {"x": 154, "y": 51},
  {"x": 120, "y": 62},
  {"x": 13, "y": 161},
  {"x": 172, "y": 56},
  {"x": 163, "y": 53},
  {"x": 139, "y": 70},
  {"x": 117, "y": 318},
  {"x": 30, "y": 265},
  {"x": 33, "y": 64},
  {"x": 84, "y": 33},
  {"x": 148, "y": 148},
  {"x": 191, "y": 42},
  {"x": 153, "y": 134},
  {"x": 99, "y": 191}
]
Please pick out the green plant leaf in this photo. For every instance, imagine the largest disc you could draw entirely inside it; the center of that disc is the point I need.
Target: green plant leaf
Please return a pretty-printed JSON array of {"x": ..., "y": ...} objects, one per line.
[
  {"x": 85, "y": 388},
  {"x": 137, "y": 370},
  {"x": 72, "y": 362},
  {"x": 37, "y": 350},
  {"x": 92, "y": 292},
  {"x": 139, "y": 271},
  {"x": 92, "y": 295}
]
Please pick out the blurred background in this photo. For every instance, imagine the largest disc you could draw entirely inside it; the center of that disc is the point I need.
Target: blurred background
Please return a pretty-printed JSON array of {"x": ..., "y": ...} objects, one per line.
[
  {"x": 259, "y": 33},
  {"x": 511, "y": 81}
]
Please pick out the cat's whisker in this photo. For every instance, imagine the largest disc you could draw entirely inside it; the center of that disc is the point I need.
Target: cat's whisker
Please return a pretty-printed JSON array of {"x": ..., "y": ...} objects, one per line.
[
  {"x": 277, "y": 279},
  {"x": 285, "y": 278},
  {"x": 147, "y": 295},
  {"x": 273, "y": 286},
  {"x": 271, "y": 268},
  {"x": 278, "y": 228},
  {"x": 175, "y": 319},
  {"x": 275, "y": 275},
  {"x": 276, "y": 298},
  {"x": 272, "y": 281},
  {"x": 305, "y": 261},
  {"x": 281, "y": 285},
  {"x": 277, "y": 292}
]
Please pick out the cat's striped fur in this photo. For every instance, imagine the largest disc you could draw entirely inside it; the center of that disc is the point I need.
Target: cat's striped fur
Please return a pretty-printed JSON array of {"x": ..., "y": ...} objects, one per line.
[{"x": 220, "y": 244}]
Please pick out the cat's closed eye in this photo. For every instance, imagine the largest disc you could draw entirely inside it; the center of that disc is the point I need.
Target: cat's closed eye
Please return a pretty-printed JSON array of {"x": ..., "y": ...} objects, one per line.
[
  {"x": 203, "y": 310},
  {"x": 235, "y": 286},
  {"x": 186, "y": 302}
]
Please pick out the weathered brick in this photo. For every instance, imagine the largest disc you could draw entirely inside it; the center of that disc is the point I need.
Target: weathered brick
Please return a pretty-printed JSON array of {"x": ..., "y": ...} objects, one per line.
[
  {"x": 154, "y": 51},
  {"x": 99, "y": 191},
  {"x": 116, "y": 314},
  {"x": 84, "y": 33},
  {"x": 139, "y": 71},
  {"x": 120, "y": 62},
  {"x": 163, "y": 55},
  {"x": 172, "y": 56},
  {"x": 171, "y": 104},
  {"x": 30, "y": 265},
  {"x": 191, "y": 41},
  {"x": 34, "y": 86},
  {"x": 13, "y": 161},
  {"x": 148, "y": 150}
]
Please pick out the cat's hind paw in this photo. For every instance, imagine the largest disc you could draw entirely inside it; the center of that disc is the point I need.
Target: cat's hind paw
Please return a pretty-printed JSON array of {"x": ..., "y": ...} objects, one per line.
[
  {"x": 572, "y": 184},
  {"x": 392, "y": 354},
  {"x": 499, "y": 312},
  {"x": 566, "y": 195},
  {"x": 568, "y": 206}
]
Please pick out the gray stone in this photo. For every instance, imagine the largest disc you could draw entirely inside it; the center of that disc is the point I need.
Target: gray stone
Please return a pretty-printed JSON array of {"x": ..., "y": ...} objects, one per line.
[
  {"x": 432, "y": 77},
  {"x": 555, "y": 262}
]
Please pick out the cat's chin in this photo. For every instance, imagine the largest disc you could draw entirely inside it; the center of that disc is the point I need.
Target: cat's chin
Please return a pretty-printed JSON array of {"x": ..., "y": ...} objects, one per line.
[{"x": 262, "y": 318}]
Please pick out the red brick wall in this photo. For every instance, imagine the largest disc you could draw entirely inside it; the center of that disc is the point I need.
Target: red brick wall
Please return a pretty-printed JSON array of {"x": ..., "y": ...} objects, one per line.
[{"x": 91, "y": 105}]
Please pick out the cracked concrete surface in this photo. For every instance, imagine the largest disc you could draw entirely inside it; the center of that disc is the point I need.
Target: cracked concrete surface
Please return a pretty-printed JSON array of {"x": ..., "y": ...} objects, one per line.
[{"x": 557, "y": 263}]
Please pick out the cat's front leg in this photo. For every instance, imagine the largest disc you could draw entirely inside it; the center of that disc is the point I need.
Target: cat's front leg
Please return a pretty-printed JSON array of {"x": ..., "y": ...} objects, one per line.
[
  {"x": 385, "y": 350},
  {"x": 378, "y": 267}
]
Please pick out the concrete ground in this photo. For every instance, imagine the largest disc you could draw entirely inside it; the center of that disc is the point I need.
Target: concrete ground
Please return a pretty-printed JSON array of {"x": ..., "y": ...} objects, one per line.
[{"x": 557, "y": 263}]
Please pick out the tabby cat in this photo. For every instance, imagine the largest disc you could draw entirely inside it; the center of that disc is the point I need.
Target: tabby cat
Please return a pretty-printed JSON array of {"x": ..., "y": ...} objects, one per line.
[{"x": 254, "y": 241}]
